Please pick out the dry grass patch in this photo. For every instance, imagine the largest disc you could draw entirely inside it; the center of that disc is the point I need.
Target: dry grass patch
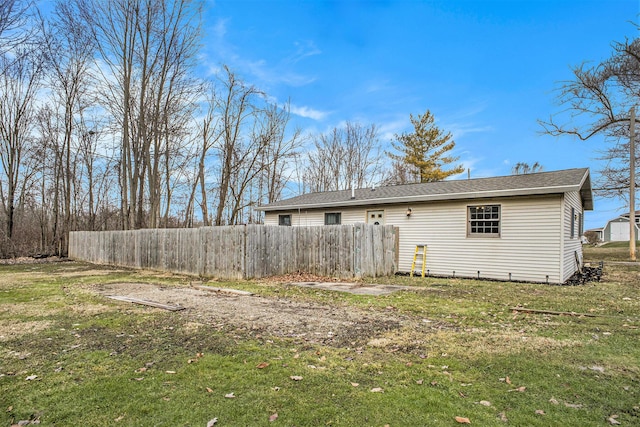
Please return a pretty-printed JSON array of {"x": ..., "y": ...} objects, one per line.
[
  {"x": 26, "y": 310},
  {"x": 507, "y": 343},
  {"x": 14, "y": 329},
  {"x": 74, "y": 272},
  {"x": 470, "y": 344}
]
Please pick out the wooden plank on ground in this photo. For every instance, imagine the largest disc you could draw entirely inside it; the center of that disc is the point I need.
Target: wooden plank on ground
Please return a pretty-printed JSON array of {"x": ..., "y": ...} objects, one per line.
[
  {"x": 555, "y": 313},
  {"x": 146, "y": 302},
  {"x": 225, "y": 290}
]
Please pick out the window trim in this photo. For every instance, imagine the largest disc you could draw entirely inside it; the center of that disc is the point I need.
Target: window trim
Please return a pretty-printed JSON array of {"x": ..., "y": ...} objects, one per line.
[
  {"x": 489, "y": 235},
  {"x": 580, "y": 224},
  {"x": 338, "y": 215},
  {"x": 282, "y": 222}
]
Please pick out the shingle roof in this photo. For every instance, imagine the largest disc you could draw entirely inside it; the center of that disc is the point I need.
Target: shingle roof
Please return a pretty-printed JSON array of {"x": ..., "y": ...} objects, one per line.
[{"x": 554, "y": 182}]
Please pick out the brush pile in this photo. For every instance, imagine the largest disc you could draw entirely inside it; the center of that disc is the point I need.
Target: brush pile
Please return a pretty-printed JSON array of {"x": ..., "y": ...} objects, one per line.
[{"x": 586, "y": 274}]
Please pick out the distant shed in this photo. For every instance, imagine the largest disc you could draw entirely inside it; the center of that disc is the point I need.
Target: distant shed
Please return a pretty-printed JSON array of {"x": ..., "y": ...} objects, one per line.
[{"x": 617, "y": 229}]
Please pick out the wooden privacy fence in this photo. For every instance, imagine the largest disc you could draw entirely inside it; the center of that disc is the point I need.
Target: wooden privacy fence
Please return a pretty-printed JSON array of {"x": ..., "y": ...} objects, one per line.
[{"x": 251, "y": 251}]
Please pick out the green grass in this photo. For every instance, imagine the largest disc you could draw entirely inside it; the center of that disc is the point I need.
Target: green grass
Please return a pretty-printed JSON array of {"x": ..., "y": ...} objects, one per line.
[
  {"x": 613, "y": 245},
  {"x": 100, "y": 362},
  {"x": 611, "y": 251}
]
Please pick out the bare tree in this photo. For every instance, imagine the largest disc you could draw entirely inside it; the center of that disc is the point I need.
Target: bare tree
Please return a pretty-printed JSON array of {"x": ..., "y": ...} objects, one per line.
[
  {"x": 148, "y": 48},
  {"x": 237, "y": 153},
  {"x": 16, "y": 29},
  {"x": 19, "y": 84},
  {"x": 173, "y": 95},
  {"x": 344, "y": 157},
  {"x": 400, "y": 173},
  {"x": 597, "y": 102},
  {"x": 280, "y": 152},
  {"x": 521, "y": 168},
  {"x": 207, "y": 135},
  {"x": 69, "y": 53},
  {"x": 324, "y": 163}
]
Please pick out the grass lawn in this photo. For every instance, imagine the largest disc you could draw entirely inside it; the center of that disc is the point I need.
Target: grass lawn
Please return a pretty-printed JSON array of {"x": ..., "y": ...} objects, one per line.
[
  {"x": 612, "y": 251},
  {"x": 69, "y": 356}
]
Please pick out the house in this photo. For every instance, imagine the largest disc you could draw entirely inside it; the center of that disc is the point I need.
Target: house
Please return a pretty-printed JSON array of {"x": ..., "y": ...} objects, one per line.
[
  {"x": 518, "y": 227},
  {"x": 597, "y": 232},
  {"x": 617, "y": 229}
]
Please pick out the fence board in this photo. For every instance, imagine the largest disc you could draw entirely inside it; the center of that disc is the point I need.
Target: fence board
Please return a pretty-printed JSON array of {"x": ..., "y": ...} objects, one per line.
[{"x": 252, "y": 251}]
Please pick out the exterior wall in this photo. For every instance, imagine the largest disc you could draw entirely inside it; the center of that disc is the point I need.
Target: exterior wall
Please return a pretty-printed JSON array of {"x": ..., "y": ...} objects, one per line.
[
  {"x": 571, "y": 245},
  {"x": 530, "y": 246},
  {"x": 315, "y": 217}
]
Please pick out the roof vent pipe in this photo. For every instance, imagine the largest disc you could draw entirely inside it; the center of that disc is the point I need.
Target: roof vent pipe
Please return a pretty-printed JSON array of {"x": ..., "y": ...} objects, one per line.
[{"x": 353, "y": 192}]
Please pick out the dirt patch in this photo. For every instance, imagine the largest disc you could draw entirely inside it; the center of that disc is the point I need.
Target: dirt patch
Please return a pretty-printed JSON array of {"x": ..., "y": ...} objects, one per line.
[
  {"x": 337, "y": 325},
  {"x": 352, "y": 288}
]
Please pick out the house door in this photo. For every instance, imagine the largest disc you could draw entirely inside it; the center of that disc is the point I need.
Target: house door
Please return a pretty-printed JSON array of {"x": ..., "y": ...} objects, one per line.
[{"x": 375, "y": 217}]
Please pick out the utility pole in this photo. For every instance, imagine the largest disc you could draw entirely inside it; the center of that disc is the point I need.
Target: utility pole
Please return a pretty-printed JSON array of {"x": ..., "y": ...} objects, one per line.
[{"x": 632, "y": 184}]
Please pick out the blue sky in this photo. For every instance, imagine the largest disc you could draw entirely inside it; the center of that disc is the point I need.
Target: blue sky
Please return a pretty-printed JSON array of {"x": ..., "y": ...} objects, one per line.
[{"x": 486, "y": 69}]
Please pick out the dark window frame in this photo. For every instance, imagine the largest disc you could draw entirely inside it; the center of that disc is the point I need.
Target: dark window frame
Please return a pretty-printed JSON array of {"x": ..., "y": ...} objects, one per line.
[
  {"x": 282, "y": 220},
  {"x": 337, "y": 218},
  {"x": 580, "y": 224},
  {"x": 484, "y": 221}
]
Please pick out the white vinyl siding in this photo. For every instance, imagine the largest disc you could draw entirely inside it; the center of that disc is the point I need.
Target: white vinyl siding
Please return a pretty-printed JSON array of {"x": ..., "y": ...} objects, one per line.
[
  {"x": 316, "y": 216},
  {"x": 571, "y": 243},
  {"x": 529, "y": 246}
]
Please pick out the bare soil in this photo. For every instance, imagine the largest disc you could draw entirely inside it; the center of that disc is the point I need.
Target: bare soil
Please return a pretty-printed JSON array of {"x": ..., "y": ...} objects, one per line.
[{"x": 278, "y": 317}]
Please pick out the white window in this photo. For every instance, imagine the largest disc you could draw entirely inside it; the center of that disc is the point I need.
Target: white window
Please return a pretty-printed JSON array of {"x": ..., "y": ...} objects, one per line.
[{"x": 483, "y": 221}]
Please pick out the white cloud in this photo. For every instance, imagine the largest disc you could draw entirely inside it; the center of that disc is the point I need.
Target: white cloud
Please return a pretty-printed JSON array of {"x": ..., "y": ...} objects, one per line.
[
  {"x": 459, "y": 130},
  {"x": 304, "y": 49},
  {"x": 374, "y": 86},
  {"x": 265, "y": 72},
  {"x": 309, "y": 112},
  {"x": 219, "y": 28},
  {"x": 388, "y": 130}
]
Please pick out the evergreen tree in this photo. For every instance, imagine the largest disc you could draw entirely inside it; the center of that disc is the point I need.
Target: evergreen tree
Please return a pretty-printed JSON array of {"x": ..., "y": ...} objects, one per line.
[{"x": 424, "y": 150}]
